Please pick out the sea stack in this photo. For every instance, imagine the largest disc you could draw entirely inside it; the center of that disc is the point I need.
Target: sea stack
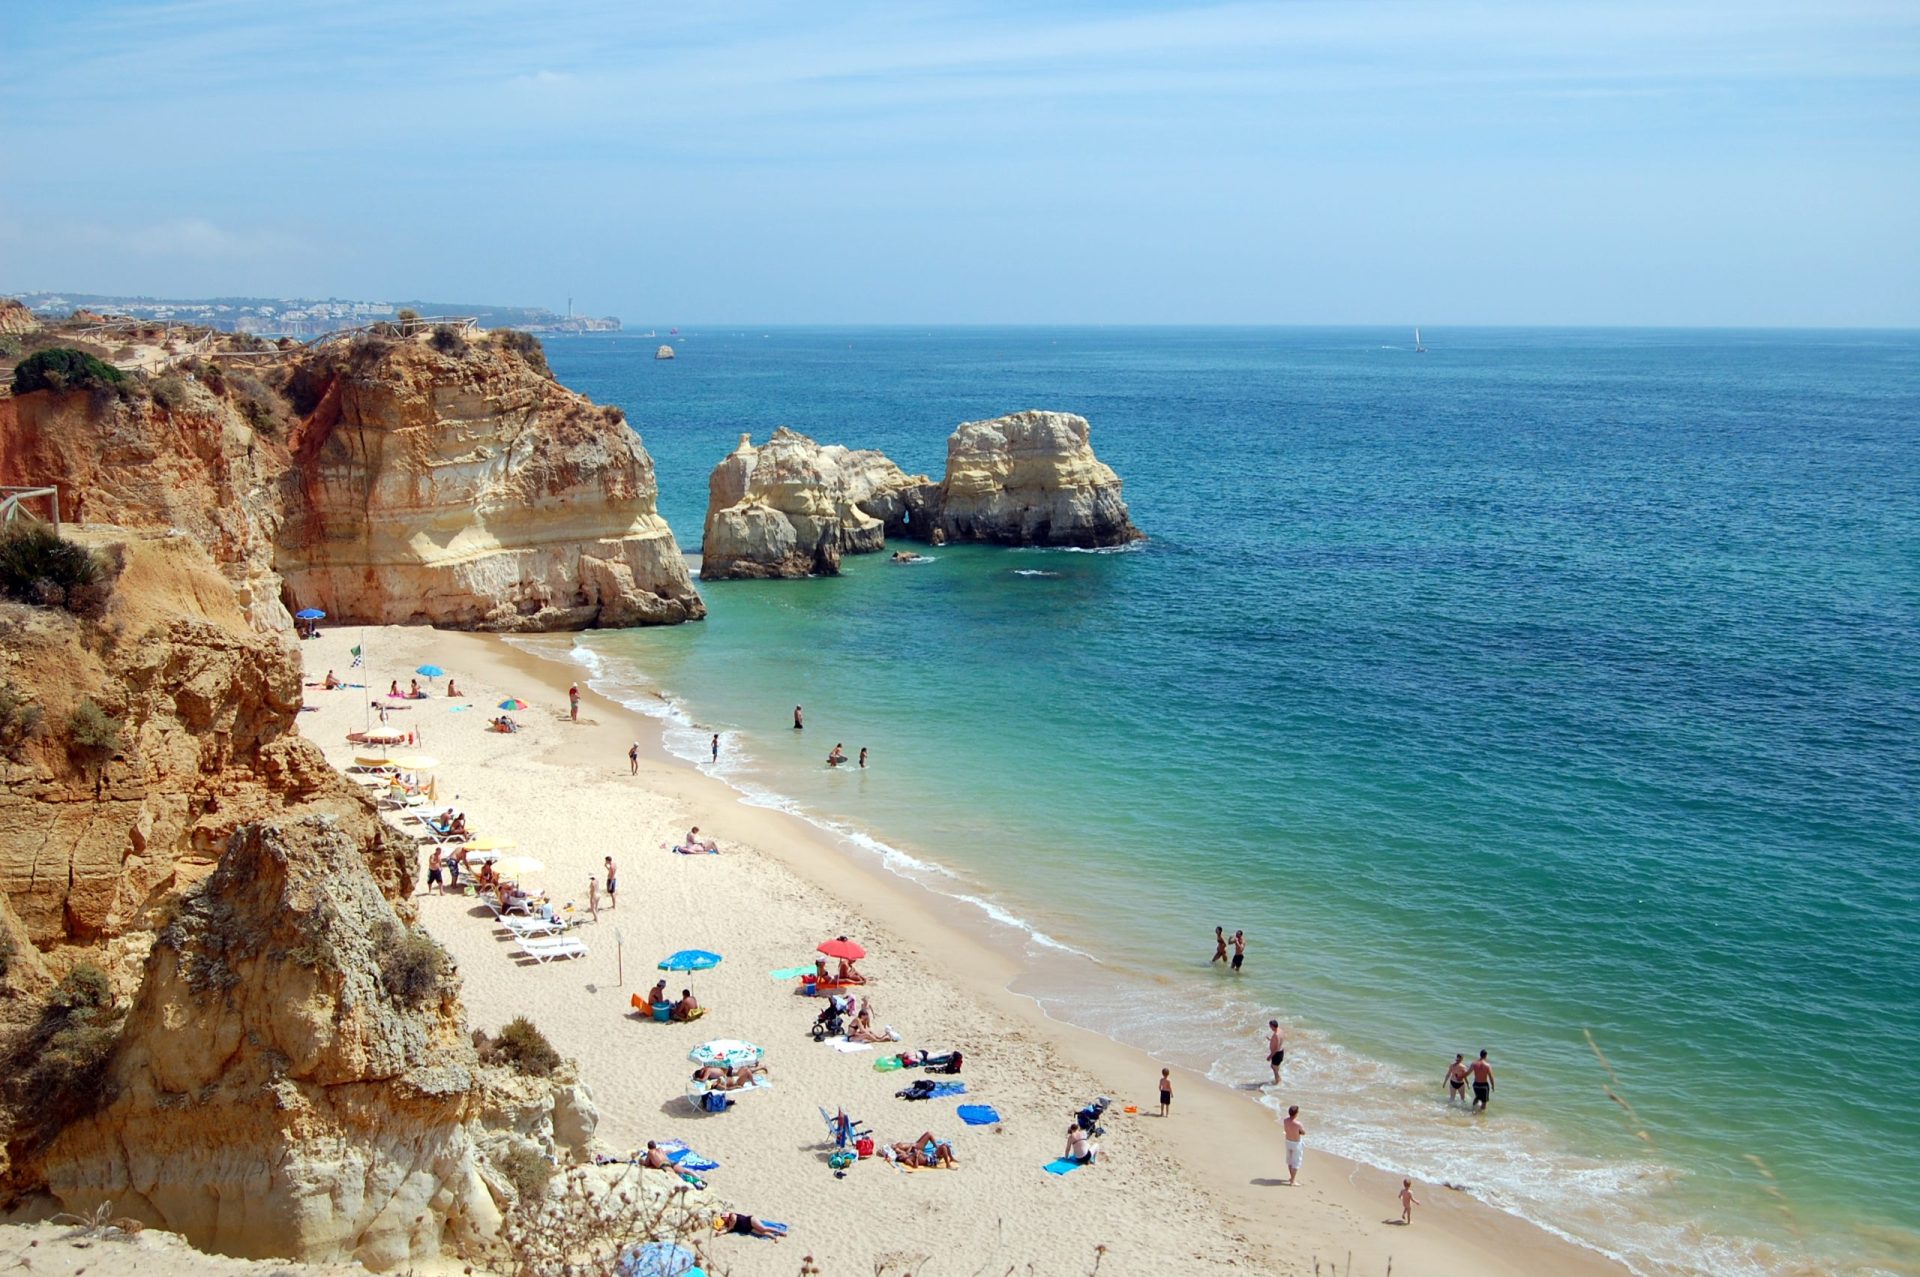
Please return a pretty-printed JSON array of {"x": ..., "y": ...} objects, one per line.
[
  {"x": 791, "y": 507},
  {"x": 1030, "y": 479},
  {"x": 665, "y": 352}
]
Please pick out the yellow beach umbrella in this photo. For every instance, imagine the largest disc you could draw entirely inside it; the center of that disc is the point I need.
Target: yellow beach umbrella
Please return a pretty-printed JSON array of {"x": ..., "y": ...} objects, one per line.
[
  {"x": 489, "y": 844},
  {"x": 518, "y": 865},
  {"x": 416, "y": 762},
  {"x": 372, "y": 760}
]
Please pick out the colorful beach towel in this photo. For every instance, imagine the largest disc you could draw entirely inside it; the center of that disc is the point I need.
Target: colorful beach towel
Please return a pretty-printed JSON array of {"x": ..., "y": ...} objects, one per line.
[
  {"x": 788, "y": 973},
  {"x": 978, "y": 1114},
  {"x": 840, "y": 1044},
  {"x": 1062, "y": 1166},
  {"x": 685, "y": 1158},
  {"x": 941, "y": 1090}
]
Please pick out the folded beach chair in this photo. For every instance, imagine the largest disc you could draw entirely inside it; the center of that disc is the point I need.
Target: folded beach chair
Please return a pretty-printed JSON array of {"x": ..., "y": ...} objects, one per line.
[
  {"x": 547, "y": 950},
  {"x": 841, "y": 1129}
]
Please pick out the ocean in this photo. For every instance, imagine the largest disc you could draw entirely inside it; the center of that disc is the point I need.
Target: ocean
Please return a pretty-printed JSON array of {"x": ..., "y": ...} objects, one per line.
[{"x": 1550, "y": 692}]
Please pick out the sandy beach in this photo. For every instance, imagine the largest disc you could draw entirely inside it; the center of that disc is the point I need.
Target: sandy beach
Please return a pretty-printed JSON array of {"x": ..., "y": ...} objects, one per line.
[{"x": 1201, "y": 1191}]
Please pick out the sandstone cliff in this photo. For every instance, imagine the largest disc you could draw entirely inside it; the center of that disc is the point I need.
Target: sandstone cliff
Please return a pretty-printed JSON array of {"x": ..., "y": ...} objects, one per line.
[
  {"x": 791, "y": 507},
  {"x": 1031, "y": 479},
  {"x": 443, "y": 479},
  {"x": 15, "y": 319}
]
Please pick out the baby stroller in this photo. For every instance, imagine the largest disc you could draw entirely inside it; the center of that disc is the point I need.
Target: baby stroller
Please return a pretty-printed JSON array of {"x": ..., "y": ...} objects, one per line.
[
  {"x": 1089, "y": 1117},
  {"x": 832, "y": 1020}
]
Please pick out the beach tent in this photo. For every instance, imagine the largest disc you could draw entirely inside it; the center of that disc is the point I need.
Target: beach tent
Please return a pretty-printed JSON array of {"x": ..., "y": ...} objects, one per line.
[
  {"x": 690, "y": 960},
  {"x": 730, "y": 1052}
]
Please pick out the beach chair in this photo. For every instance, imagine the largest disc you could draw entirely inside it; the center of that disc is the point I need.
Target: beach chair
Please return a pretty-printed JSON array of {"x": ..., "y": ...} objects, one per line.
[
  {"x": 524, "y": 927},
  {"x": 841, "y": 1129},
  {"x": 546, "y": 950},
  {"x": 699, "y": 1092}
]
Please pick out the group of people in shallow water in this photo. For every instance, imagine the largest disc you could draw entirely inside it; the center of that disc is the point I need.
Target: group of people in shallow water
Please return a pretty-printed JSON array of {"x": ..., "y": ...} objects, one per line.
[{"x": 835, "y": 756}]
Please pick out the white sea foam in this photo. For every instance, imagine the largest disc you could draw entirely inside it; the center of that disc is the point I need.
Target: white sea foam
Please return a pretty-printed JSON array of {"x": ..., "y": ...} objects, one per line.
[{"x": 1032, "y": 572}]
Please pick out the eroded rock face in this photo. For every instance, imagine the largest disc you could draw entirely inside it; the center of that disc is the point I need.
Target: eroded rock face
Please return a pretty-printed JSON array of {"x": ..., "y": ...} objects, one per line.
[
  {"x": 450, "y": 483},
  {"x": 1031, "y": 479},
  {"x": 15, "y": 319},
  {"x": 791, "y": 507},
  {"x": 271, "y": 1097},
  {"x": 468, "y": 490}
]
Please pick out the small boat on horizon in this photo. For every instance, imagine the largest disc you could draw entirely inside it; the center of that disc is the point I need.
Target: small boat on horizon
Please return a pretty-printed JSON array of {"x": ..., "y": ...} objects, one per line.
[{"x": 1418, "y": 349}]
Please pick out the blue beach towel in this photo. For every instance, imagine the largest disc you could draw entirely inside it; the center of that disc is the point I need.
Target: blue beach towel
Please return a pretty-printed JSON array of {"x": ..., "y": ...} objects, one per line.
[
  {"x": 1061, "y": 1166},
  {"x": 685, "y": 1158},
  {"x": 941, "y": 1090},
  {"x": 788, "y": 973},
  {"x": 978, "y": 1114},
  {"x": 773, "y": 1227}
]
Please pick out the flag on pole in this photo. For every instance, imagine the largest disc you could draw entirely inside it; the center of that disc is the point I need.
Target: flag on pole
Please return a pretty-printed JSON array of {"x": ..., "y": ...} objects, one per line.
[{"x": 356, "y": 657}]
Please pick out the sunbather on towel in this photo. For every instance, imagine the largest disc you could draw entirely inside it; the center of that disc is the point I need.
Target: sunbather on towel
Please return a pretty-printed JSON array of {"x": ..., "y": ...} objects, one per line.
[
  {"x": 694, "y": 843},
  {"x": 925, "y": 1151},
  {"x": 745, "y": 1225},
  {"x": 863, "y": 1030},
  {"x": 654, "y": 1158},
  {"x": 848, "y": 975},
  {"x": 1079, "y": 1148}
]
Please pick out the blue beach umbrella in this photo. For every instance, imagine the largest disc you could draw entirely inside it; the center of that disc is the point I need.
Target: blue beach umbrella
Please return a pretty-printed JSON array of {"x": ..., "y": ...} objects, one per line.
[
  {"x": 659, "y": 1259},
  {"x": 310, "y": 614},
  {"x": 690, "y": 960},
  {"x": 430, "y": 671}
]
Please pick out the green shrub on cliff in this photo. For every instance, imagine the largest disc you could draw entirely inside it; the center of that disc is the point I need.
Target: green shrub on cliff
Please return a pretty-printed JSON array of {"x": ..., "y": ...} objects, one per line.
[
  {"x": 58, "y": 1070},
  {"x": 18, "y": 717},
  {"x": 412, "y": 965},
  {"x": 447, "y": 340},
  {"x": 525, "y": 1048},
  {"x": 526, "y": 1170},
  {"x": 525, "y": 345},
  {"x": 45, "y": 570},
  {"x": 62, "y": 368},
  {"x": 94, "y": 733}
]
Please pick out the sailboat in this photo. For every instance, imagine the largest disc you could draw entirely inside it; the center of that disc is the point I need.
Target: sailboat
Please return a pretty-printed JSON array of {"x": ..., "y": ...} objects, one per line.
[{"x": 1418, "y": 349}]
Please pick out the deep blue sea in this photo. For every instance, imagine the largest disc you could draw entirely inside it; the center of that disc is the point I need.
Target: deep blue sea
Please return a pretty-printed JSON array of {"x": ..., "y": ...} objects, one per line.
[{"x": 1554, "y": 692}]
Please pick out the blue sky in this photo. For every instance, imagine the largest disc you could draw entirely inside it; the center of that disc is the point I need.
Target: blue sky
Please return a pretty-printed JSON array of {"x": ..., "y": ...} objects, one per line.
[{"x": 1355, "y": 162}]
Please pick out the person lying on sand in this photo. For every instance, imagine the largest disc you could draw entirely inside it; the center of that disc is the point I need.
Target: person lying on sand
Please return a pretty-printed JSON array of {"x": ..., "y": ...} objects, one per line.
[
  {"x": 926, "y": 1151},
  {"x": 654, "y": 1158},
  {"x": 685, "y": 1007},
  {"x": 745, "y": 1225}
]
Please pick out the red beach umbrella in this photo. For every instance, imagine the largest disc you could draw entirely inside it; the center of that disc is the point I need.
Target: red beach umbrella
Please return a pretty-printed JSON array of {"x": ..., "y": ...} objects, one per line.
[{"x": 843, "y": 948}]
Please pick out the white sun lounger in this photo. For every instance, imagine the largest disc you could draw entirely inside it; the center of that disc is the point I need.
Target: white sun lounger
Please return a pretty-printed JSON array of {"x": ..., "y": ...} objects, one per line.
[
  {"x": 547, "y": 950},
  {"x": 528, "y": 926}
]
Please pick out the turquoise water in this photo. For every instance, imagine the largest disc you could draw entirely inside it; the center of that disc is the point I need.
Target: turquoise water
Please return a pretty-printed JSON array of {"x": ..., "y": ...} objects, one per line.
[{"x": 1547, "y": 683}]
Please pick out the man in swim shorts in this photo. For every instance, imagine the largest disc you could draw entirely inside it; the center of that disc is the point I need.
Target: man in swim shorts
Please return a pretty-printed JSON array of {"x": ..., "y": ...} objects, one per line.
[
  {"x": 613, "y": 880},
  {"x": 1296, "y": 1142},
  {"x": 1457, "y": 1080},
  {"x": 633, "y": 759},
  {"x": 1482, "y": 1082},
  {"x": 1239, "y": 949},
  {"x": 1276, "y": 1048}
]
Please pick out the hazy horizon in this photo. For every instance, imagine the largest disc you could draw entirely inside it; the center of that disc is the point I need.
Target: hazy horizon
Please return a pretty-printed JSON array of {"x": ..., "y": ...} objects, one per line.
[{"x": 1385, "y": 164}]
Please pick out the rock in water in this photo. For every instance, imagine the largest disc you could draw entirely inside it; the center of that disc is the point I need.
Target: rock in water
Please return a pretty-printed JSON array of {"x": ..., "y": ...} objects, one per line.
[
  {"x": 1030, "y": 479},
  {"x": 792, "y": 507},
  {"x": 665, "y": 352}
]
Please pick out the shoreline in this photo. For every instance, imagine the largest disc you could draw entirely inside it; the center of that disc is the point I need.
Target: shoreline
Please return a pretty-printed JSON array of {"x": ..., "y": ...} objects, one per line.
[{"x": 1224, "y": 1145}]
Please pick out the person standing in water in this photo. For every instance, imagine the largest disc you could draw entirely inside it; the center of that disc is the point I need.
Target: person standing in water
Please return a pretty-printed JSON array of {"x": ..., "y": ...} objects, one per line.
[
  {"x": 863, "y": 757},
  {"x": 798, "y": 723},
  {"x": 1276, "y": 1048},
  {"x": 836, "y": 756},
  {"x": 1296, "y": 1142},
  {"x": 573, "y": 700},
  {"x": 1239, "y": 949},
  {"x": 1482, "y": 1082},
  {"x": 1219, "y": 945},
  {"x": 1457, "y": 1080},
  {"x": 716, "y": 747}
]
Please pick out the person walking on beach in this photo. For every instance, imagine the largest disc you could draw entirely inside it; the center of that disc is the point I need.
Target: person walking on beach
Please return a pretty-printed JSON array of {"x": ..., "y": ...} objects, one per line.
[
  {"x": 1166, "y": 1091},
  {"x": 593, "y": 897},
  {"x": 1296, "y": 1142},
  {"x": 573, "y": 700},
  {"x": 1407, "y": 1201},
  {"x": 1482, "y": 1083},
  {"x": 1239, "y": 949},
  {"x": 1457, "y": 1080},
  {"x": 613, "y": 881},
  {"x": 1219, "y": 945},
  {"x": 633, "y": 759},
  {"x": 434, "y": 863},
  {"x": 1276, "y": 1048},
  {"x": 716, "y": 747},
  {"x": 798, "y": 723}
]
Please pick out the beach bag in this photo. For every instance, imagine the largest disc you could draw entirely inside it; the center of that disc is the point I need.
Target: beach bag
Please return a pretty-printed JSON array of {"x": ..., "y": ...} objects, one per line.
[
  {"x": 864, "y": 1146},
  {"x": 714, "y": 1102},
  {"x": 920, "y": 1090},
  {"x": 952, "y": 1065},
  {"x": 840, "y": 1161}
]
